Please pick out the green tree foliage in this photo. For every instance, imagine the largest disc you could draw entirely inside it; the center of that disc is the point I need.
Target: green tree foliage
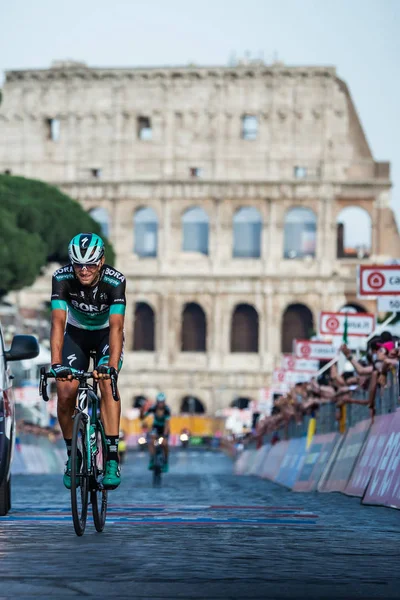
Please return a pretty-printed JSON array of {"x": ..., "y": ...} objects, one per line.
[{"x": 36, "y": 223}]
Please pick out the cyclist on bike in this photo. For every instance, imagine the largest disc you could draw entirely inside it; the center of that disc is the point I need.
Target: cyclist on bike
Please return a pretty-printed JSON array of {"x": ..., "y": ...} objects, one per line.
[
  {"x": 88, "y": 310},
  {"x": 161, "y": 427}
]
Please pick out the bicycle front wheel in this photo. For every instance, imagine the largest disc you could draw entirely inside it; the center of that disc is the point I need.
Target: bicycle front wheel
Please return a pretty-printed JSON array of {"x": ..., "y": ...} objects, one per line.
[
  {"x": 79, "y": 474},
  {"x": 98, "y": 495}
]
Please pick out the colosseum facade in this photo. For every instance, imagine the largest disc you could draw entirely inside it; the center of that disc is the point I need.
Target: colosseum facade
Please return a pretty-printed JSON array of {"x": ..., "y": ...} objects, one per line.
[{"x": 224, "y": 191}]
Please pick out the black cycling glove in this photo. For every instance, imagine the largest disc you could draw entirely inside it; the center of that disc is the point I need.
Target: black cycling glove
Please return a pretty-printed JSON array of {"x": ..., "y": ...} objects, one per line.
[{"x": 60, "y": 372}]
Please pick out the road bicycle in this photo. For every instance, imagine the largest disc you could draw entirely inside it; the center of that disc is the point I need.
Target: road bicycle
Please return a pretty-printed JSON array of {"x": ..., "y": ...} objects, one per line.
[
  {"x": 159, "y": 460},
  {"x": 88, "y": 450}
]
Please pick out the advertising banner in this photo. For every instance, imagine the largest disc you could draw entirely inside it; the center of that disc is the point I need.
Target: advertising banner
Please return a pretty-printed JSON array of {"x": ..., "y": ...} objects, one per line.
[
  {"x": 258, "y": 463},
  {"x": 315, "y": 462},
  {"x": 314, "y": 350},
  {"x": 291, "y": 363},
  {"x": 274, "y": 460},
  {"x": 389, "y": 304},
  {"x": 358, "y": 324},
  {"x": 292, "y": 462},
  {"x": 384, "y": 485},
  {"x": 343, "y": 465},
  {"x": 378, "y": 280},
  {"x": 242, "y": 462},
  {"x": 290, "y": 378},
  {"x": 369, "y": 457}
]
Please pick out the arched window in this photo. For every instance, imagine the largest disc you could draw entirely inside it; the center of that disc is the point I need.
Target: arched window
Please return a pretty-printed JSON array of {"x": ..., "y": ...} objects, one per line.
[
  {"x": 101, "y": 216},
  {"x": 353, "y": 233},
  {"x": 247, "y": 224},
  {"x": 194, "y": 328},
  {"x": 143, "y": 328},
  {"x": 353, "y": 307},
  {"x": 145, "y": 232},
  {"x": 241, "y": 403},
  {"x": 195, "y": 231},
  {"x": 192, "y": 405},
  {"x": 300, "y": 235},
  {"x": 244, "y": 329},
  {"x": 297, "y": 323},
  {"x": 138, "y": 401}
]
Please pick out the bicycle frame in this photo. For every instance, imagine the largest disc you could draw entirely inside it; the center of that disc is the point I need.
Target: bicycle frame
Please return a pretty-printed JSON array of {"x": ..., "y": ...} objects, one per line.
[{"x": 85, "y": 394}]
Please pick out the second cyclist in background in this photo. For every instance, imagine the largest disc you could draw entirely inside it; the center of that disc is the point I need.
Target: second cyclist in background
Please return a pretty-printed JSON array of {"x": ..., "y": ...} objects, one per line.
[{"x": 160, "y": 428}]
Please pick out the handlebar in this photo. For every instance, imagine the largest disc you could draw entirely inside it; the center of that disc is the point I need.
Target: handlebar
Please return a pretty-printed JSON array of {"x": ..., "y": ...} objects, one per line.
[{"x": 79, "y": 376}]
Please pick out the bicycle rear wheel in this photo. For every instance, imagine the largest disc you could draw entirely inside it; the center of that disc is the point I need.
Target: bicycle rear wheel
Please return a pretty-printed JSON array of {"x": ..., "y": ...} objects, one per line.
[
  {"x": 79, "y": 474},
  {"x": 98, "y": 495}
]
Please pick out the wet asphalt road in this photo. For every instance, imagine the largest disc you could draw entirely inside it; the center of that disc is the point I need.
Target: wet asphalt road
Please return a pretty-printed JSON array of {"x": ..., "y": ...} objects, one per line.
[{"x": 205, "y": 534}]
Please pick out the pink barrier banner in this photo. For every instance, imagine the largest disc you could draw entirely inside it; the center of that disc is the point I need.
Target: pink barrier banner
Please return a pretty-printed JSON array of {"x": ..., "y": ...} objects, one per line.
[
  {"x": 384, "y": 486},
  {"x": 242, "y": 463},
  {"x": 315, "y": 462},
  {"x": 369, "y": 458},
  {"x": 346, "y": 458},
  {"x": 274, "y": 460},
  {"x": 258, "y": 463}
]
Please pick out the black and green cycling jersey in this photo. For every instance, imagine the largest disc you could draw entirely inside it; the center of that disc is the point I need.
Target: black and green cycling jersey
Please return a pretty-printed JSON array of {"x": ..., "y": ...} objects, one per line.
[
  {"x": 89, "y": 307},
  {"x": 159, "y": 421}
]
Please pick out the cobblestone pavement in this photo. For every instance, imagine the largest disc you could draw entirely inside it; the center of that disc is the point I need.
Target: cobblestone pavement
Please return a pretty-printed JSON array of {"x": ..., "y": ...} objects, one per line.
[{"x": 204, "y": 534}]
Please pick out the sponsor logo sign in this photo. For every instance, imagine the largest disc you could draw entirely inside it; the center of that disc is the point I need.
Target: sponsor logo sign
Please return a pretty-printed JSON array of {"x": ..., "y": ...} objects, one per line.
[
  {"x": 389, "y": 304},
  {"x": 384, "y": 485},
  {"x": 379, "y": 280},
  {"x": 369, "y": 458},
  {"x": 291, "y": 363},
  {"x": 314, "y": 350},
  {"x": 315, "y": 461},
  {"x": 346, "y": 458},
  {"x": 292, "y": 462},
  {"x": 274, "y": 460},
  {"x": 290, "y": 378},
  {"x": 359, "y": 324}
]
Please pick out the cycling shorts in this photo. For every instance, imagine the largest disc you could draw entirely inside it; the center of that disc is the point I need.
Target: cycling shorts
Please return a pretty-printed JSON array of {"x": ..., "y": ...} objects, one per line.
[
  {"x": 159, "y": 430},
  {"x": 78, "y": 343}
]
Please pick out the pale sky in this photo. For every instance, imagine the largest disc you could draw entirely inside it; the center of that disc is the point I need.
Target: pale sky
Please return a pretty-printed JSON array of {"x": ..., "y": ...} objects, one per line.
[{"x": 361, "y": 38}]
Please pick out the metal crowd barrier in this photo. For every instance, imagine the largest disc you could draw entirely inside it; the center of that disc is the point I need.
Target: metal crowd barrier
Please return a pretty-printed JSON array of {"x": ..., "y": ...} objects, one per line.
[{"x": 327, "y": 418}]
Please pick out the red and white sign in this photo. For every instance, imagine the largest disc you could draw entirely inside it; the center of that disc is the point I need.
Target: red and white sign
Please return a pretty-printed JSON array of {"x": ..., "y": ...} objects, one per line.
[
  {"x": 379, "y": 280},
  {"x": 290, "y": 378},
  {"x": 291, "y": 363},
  {"x": 314, "y": 350},
  {"x": 358, "y": 324}
]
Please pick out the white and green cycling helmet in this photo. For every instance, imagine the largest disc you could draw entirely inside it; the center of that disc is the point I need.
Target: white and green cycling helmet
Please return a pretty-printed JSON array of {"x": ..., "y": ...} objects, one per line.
[{"x": 86, "y": 249}]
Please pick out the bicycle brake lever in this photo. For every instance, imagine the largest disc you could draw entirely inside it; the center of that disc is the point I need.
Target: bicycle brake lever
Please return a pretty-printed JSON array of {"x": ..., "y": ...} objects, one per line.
[
  {"x": 114, "y": 389},
  {"x": 43, "y": 384}
]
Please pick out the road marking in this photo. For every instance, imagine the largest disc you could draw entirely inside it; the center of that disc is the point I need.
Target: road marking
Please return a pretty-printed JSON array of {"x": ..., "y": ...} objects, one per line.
[{"x": 175, "y": 514}]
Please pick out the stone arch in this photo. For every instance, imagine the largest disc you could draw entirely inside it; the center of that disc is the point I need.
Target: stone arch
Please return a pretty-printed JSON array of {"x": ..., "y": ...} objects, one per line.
[
  {"x": 195, "y": 230},
  {"x": 353, "y": 233},
  {"x": 194, "y": 328},
  {"x": 138, "y": 400},
  {"x": 192, "y": 405},
  {"x": 241, "y": 402},
  {"x": 145, "y": 232},
  {"x": 244, "y": 329},
  {"x": 247, "y": 227},
  {"x": 300, "y": 233},
  {"x": 353, "y": 307},
  {"x": 102, "y": 217},
  {"x": 297, "y": 323},
  {"x": 143, "y": 328}
]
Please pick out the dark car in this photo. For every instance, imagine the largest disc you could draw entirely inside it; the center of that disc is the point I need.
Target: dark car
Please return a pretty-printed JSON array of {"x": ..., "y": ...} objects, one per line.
[{"x": 22, "y": 347}]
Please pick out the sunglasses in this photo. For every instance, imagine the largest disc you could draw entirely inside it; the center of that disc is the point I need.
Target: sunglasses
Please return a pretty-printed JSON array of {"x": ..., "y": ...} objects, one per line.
[{"x": 79, "y": 266}]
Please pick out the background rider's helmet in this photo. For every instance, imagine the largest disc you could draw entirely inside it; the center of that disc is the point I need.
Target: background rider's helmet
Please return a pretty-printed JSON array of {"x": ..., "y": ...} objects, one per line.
[
  {"x": 86, "y": 249},
  {"x": 161, "y": 397}
]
